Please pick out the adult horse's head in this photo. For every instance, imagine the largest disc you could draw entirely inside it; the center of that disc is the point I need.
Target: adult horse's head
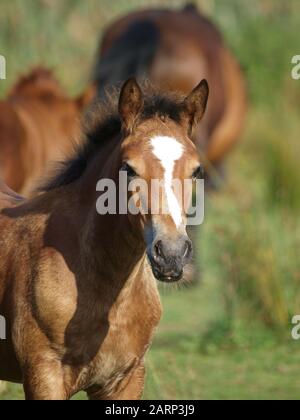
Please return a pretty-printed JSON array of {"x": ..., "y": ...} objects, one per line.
[{"x": 157, "y": 145}]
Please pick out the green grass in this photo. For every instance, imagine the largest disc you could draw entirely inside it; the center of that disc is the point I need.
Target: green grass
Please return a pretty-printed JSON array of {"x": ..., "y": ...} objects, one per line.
[{"x": 228, "y": 338}]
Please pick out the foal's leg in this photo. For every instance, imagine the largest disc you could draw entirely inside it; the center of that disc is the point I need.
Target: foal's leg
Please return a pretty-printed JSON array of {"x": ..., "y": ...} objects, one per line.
[
  {"x": 43, "y": 380},
  {"x": 131, "y": 388}
]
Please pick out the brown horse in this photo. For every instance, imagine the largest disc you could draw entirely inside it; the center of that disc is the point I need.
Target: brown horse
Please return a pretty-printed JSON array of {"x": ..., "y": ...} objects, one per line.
[
  {"x": 174, "y": 49},
  {"x": 78, "y": 289},
  {"x": 37, "y": 123}
]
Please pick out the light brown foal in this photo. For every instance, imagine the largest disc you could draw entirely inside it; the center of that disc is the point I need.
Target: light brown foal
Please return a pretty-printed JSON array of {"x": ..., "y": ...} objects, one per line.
[{"x": 77, "y": 289}]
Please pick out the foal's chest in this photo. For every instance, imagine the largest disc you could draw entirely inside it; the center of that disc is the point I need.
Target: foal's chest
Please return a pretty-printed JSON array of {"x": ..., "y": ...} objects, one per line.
[{"x": 131, "y": 327}]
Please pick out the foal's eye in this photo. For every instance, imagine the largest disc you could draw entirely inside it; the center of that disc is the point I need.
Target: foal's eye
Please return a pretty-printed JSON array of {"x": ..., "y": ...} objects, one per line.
[
  {"x": 199, "y": 173},
  {"x": 129, "y": 170}
]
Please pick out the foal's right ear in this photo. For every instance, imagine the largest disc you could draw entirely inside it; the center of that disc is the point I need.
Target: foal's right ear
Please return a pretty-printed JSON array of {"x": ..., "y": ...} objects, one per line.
[{"x": 130, "y": 104}]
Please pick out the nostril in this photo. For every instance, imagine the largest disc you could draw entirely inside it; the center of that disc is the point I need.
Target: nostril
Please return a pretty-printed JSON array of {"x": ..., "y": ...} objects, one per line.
[
  {"x": 188, "y": 249},
  {"x": 158, "y": 249}
]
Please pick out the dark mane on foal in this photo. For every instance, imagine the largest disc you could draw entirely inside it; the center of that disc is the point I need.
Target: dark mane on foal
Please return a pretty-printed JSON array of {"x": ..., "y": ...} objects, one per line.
[{"x": 104, "y": 123}]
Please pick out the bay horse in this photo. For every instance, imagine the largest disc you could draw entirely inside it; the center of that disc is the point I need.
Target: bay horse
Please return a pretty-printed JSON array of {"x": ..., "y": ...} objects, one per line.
[
  {"x": 78, "y": 289},
  {"x": 173, "y": 48},
  {"x": 37, "y": 122}
]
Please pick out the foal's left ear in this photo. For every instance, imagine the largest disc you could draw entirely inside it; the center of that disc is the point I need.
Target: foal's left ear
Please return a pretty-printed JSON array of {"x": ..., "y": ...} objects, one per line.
[
  {"x": 194, "y": 105},
  {"x": 130, "y": 104}
]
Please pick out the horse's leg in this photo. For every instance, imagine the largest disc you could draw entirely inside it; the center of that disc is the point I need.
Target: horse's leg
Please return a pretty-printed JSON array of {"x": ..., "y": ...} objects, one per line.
[
  {"x": 131, "y": 388},
  {"x": 43, "y": 380}
]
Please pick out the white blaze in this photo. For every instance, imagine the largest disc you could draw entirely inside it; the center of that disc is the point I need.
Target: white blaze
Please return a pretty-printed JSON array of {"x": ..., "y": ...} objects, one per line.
[{"x": 168, "y": 150}]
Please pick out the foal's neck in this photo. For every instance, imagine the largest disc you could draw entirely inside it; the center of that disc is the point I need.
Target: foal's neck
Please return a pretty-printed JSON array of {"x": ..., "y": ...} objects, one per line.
[{"x": 113, "y": 242}]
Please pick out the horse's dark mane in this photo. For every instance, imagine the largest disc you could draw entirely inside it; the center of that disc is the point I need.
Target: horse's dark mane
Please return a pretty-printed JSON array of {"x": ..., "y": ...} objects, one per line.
[{"x": 104, "y": 123}]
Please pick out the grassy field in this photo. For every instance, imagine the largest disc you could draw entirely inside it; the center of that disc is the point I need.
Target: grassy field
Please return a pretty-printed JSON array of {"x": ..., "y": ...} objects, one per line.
[{"x": 229, "y": 337}]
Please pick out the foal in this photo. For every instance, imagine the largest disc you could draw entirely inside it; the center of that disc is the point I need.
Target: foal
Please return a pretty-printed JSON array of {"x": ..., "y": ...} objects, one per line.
[
  {"x": 37, "y": 122},
  {"x": 78, "y": 291}
]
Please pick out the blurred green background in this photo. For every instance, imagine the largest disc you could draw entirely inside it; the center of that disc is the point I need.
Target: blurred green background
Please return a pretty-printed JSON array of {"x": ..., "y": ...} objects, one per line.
[{"x": 229, "y": 337}]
